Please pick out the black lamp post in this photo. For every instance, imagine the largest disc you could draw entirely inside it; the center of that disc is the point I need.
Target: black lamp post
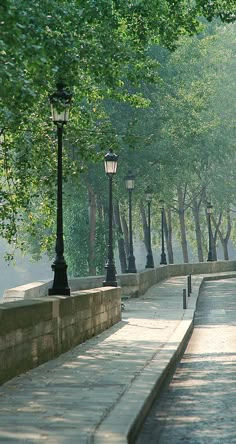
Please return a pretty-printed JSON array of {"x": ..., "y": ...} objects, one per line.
[
  {"x": 209, "y": 212},
  {"x": 129, "y": 182},
  {"x": 110, "y": 163},
  {"x": 150, "y": 262},
  {"x": 60, "y": 103},
  {"x": 163, "y": 254}
]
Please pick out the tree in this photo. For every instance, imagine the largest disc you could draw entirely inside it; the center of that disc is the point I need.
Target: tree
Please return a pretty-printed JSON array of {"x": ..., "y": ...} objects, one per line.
[{"x": 106, "y": 47}]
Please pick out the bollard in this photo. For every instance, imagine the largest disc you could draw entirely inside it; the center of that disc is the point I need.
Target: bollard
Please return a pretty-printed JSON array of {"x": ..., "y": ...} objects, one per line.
[
  {"x": 184, "y": 299},
  {"x": 189, "y": 284}
]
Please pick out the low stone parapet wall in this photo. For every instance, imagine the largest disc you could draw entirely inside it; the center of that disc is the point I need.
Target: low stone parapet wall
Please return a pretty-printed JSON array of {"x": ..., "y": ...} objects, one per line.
[
  {"x": 151, "y": 277},
  {"x": 132, "y": 284},
  {"x": 35, "y": 331},
  {"x": 136, "y": 284}
]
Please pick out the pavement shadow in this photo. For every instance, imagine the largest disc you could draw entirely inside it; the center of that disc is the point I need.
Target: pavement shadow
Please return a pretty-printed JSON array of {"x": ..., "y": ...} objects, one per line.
[{"x": 199, "y": 405}]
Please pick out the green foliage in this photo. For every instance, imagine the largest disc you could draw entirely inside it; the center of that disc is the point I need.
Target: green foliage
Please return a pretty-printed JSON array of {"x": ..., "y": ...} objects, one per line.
[
  {"x": 76, "y": 217},
  {"x": 101, "y": 49},
  {"x": 77, "y": 235}
]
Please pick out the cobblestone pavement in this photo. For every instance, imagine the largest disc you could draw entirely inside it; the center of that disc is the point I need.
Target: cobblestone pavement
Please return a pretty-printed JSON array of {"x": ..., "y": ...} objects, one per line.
[
  {"x": 66, "y": 400},
  {"x": 199, "y": 406}
]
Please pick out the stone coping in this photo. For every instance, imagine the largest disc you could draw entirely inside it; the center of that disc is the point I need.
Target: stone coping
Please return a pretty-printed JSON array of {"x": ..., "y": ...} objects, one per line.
[{"x": 132, "y": 284}]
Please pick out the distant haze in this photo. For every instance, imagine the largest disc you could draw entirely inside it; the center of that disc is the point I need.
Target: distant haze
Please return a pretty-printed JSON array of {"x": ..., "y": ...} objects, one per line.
[{"x": 22, "y": 270}]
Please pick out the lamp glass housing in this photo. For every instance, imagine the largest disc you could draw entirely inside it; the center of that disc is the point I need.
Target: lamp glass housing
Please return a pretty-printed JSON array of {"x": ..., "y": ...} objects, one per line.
[
  {"x": 110, "y": 163},
  {"x": 60, "y": 114},
  {"x": 60, "y": 104},
  {"x": 209, "y": 208},
  {"x": 161, "y": 201},
  {"x": 129, "y": 181},
  {"x": 148, "y": 194}
]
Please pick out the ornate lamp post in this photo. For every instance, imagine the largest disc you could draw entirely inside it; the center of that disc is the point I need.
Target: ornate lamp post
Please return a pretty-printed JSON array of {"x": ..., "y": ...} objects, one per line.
[
  {"x": 150, "y": 262},
  {"x": 163, "y": 254},
  {"x": 129, "y": 182},
  {"x": 209, "y": 212},
  {"x": 60, "y": 104},
  {"x": 110, "y": 163}
]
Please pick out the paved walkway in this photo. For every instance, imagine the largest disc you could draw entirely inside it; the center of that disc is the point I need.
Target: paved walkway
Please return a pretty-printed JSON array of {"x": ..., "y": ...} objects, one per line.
[
  {"x": 98, "y": 392},
  {"x": 200, "y": 404}
]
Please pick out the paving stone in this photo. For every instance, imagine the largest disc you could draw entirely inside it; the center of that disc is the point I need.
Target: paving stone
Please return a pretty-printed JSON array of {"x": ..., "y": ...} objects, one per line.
[
  {"x": 200, "y": 404},
  {"x": 94, "y": 393}
]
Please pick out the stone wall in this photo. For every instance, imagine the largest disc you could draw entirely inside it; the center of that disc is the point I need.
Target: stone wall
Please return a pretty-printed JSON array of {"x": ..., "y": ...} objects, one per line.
[
  {"x": 137, "y": 284},
  {"x": 132, "y": 284},
  {"x": 35, "y": 331}
]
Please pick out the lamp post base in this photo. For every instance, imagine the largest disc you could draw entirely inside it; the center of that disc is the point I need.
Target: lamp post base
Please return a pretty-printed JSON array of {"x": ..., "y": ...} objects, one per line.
[
  {"x": 163, "y": 259},
  {"x": 60, "y": 285},
  {"x": 210, "y": 259},
  {"x": 131, "y": 264},
  {"x": 110, "y": 280},
  {"x": 59, "y": 292},
  {"x": 150, "y": 262},
  {"x": 109, "y": 284}
]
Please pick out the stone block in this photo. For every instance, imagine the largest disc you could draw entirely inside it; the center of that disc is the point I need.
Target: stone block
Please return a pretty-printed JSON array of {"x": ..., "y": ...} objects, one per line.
[{"x": 32, "y": 332}]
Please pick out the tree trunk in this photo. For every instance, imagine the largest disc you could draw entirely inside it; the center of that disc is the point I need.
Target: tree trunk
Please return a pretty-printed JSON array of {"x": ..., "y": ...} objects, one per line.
[
  {"x": 145, "y": 227},
  {"x": 214, "y": 250},
  {"x": 225, "y": 249},
  {"x": 214, "y": 235},
  {"x": 126, "y": 233},
  {"x": 92, "y": 231},
  {"x": 225, "y": 240},
  {"x": 168, "y": 235},
  {"x": 121, "y": 243},
  {"x": 198, "y": 230},
  {"x": 182, "y": 225}
]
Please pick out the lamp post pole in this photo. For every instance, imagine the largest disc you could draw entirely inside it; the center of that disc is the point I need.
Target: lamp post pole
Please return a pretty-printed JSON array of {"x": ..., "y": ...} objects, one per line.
[
  {"x": 163, "y": 254},
  {"x": 150, "y": 262},
  {"x": 60, "y": 102},
  {"x": 209, "y": 212},
  {"x": 129, "y": 181},
  {"x": 110, "y": 161}
]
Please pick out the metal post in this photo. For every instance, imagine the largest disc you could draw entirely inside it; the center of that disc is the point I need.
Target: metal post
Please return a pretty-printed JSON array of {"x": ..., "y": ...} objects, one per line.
[
  {"x": 110, "y": 280},
  {"x": 150, "y": 262},
  {"x": 131, "y": 258},
  {"x": 184, "y": 299},
  {"x": 189, "y": 284},
  {"x": 210, "y": 253},
  {"x": 59, "y": 266},
  {"x": 163, "y": 254}
]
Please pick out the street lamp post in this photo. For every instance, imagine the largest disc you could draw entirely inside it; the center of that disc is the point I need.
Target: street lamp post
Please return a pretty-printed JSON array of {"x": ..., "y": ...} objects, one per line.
[
  {"x": 60, "y": 103},
  {"x": 150, "y": 262},
  {"x": 209, "y": 212},
  {"x": 110, "y": 163},
  {"x": 129, "y": 182},
  {"x": 163, "y": 254}
]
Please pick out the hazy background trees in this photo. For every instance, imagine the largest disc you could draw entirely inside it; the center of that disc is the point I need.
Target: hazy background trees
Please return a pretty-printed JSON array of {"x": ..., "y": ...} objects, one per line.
[{"x": 152, "y": 81}]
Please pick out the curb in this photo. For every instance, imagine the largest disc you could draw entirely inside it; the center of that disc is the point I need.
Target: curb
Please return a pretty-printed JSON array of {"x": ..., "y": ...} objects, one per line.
[
  {"x": 122, "y": 424},
  {"x": 183, "y": 331}
]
